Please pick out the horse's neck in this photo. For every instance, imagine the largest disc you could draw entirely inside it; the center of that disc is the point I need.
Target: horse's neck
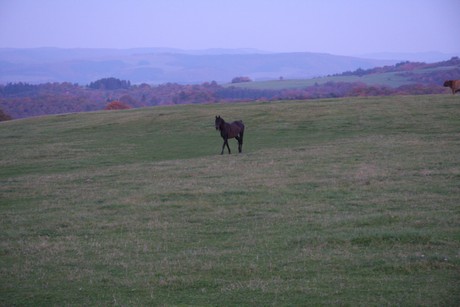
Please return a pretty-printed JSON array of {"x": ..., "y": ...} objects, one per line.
[{"x": 222, "y": 125}]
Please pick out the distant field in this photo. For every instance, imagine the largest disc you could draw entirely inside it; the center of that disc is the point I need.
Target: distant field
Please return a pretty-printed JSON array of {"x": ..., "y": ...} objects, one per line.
[
  {"x": 333, "y": 202},
  {"x": 388, "y": 79},
  {"x": 391, "y": 79}
]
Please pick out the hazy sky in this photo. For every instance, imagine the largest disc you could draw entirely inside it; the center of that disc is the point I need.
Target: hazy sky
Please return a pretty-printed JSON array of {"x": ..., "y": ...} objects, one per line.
[{"x": 347, "y": 27}]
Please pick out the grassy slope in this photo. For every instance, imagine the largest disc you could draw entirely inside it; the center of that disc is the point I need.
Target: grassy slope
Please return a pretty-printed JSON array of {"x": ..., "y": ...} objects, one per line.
[
  {"x": 390, "y": 79},
  {"x": 349, "y": 201}
]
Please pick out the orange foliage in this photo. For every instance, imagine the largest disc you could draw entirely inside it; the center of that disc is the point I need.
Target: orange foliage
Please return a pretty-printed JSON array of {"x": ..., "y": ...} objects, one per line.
[
  {"x": 117, "y": 105},
  {"x": 4, "y": 116}
]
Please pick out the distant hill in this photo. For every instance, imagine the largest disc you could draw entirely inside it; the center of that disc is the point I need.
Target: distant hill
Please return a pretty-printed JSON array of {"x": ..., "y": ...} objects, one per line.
[
  {"x": 392, "y": 76},
  {"x": 22, "y": 99},
  {"x": 428, "y": 57},
  {"x": 163, "y": 65}
]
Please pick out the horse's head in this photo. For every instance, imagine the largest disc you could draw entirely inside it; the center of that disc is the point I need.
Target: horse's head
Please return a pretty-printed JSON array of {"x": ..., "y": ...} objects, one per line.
[
  {"x": 448, "y": 83},
  {"x": 218, "y": 122}
]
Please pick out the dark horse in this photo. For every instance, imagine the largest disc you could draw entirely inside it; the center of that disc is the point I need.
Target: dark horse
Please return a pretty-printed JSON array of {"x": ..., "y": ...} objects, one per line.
[{"x": 229, "y": 131}]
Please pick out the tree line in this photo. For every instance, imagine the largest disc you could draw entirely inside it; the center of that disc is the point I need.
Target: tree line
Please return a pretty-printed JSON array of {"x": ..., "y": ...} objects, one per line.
[{"x": 19, "y": 100}]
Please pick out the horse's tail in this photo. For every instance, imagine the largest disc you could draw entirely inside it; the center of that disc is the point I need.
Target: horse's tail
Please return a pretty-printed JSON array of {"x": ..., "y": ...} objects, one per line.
[{"x": 240, "y": 123}]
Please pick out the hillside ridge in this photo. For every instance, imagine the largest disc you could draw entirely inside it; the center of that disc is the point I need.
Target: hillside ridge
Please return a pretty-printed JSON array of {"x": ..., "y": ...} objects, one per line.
[
  {"x": 161, "y": 65},
  {"x": 19, "y": 100}
]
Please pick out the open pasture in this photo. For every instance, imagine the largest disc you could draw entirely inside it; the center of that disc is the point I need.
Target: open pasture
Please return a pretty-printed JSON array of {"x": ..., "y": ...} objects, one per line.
[
  {"x": 342, "y": 201},
  {"x": 388, "y": 79}
]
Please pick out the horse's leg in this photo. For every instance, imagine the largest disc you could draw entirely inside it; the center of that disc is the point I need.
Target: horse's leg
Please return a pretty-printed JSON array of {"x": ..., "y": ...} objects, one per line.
[
  {"x": 240, "y": 143},
  {"x": 223, "y": 147},
  {"x": 226, "y": 142}
]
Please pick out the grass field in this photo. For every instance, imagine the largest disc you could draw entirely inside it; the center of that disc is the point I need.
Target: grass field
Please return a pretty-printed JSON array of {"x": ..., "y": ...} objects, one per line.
[
  {"x": 333, "y": 202},
  {"x": 389, "y": 79}
]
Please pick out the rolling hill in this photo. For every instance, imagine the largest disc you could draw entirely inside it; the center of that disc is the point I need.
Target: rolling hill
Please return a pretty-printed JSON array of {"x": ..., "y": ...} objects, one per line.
[
  {"x": 350, "y": 201},
  {"x": 162, "y": 65},
  {"x": 393, "y": 76},
  {"x": 19, "y": 100}
]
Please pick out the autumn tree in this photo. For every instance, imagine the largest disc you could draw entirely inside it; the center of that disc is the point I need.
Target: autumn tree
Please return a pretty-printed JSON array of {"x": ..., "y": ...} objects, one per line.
[
  {"x": 109, "y": 84},
  {"x": 116, "y": 105},
  {"x": 4, "y": 116},
  {"x": 241, "y": 79}
]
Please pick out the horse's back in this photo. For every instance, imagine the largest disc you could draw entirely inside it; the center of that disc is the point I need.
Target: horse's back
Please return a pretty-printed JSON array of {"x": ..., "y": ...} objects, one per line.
[
  {"x": 239, "y": 123},
  {"x": 235, "y": 128}
]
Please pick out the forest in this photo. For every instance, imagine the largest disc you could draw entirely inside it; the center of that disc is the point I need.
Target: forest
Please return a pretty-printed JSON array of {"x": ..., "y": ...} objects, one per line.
[{"x": 20, "y": 100}]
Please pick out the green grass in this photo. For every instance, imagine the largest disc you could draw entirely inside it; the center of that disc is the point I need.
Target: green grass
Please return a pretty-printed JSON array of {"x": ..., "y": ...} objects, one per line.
[
  {"x": 333, "y": 202},
  {"x": 389, "y": 79}
]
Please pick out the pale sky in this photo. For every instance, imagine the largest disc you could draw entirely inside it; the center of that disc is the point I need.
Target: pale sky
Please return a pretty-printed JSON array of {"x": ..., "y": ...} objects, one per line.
[{"x": 346, "y": 27}]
